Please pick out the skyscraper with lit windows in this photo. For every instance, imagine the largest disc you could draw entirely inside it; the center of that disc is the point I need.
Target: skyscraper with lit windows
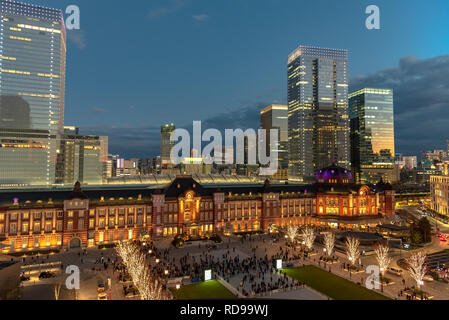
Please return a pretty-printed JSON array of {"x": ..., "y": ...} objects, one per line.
[
  {"x": 318, "y": 117},
  {"x": 372, "y": 135},
  {"x": 32, "y": 87},
  {"x": 276, "y": 117}
]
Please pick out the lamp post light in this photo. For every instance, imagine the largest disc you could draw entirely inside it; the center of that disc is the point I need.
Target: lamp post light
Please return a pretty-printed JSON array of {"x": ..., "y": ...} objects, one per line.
[
  {"x": 166, "y": 272},
  {"x": 157, "y": 260},
  {"x": 178, "y": 286}
]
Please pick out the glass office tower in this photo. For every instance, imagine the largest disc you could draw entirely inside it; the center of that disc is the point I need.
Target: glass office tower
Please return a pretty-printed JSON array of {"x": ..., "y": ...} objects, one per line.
[
  {"x": 276, "y": 117},
  {"x": 166, "y": 144},
  {"x": 32, "y": 84},
  {"x": 81, "y": 158},
  {"x": 318, "y": 117},
  {"x": 372, "y": 134}
]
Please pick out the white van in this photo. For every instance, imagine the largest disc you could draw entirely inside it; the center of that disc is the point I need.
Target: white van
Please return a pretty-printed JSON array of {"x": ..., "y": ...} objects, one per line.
[{"x": 395, "y": 271}]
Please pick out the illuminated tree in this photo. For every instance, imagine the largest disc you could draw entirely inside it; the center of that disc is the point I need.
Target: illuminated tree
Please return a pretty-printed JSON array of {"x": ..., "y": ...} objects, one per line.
[
  {"x": 382, "y": 257},
  {"x": 329, "y": 243},
  {"x": 309, "y": 237},
  {"x": 417, "y": 268},
  {"x": 352, "y": 249},
  {"x": 291, "y": 233},
  {"x": 148, "y": 285}
]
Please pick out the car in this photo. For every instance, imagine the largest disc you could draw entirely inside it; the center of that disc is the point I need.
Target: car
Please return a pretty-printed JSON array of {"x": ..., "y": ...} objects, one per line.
[
  {"x": 102, "y": 296},
  {"x": 428, "y": 277},
  {"x": 395, "y": 271},
  {"x": 101, "y": 288},
  {"x": 24, "y": 278},
  {"x": 46, "y": 275}
]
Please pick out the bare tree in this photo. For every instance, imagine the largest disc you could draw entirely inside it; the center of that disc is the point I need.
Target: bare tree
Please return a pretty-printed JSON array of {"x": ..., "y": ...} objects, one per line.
[
  {"x": 329, "y": 243},
  {"x": 417, "y": 267},
  {"x": 149, "y": 285},
  {"x": 352, "y": 249},
  {"x": 309, "y": 237},
  {"x": 383, "y": 257},
  {"x": 291, "y": 233}
]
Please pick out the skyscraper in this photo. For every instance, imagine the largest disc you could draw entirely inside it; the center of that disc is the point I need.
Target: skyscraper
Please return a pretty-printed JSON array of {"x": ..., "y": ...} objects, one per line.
[
  {"x": 318, "y": 118},
  {"x": 166, "y": 144},
  {"x": 276, "y": 117},
  {"x": 32, "y": 86},
  {"x": 372, "y": 134}
]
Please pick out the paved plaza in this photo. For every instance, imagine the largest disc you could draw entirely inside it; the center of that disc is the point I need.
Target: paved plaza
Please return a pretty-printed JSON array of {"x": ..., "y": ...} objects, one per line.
[{"x": 247, "y": 265}]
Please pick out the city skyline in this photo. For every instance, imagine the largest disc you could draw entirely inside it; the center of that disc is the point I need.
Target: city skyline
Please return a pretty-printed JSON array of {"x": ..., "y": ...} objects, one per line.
[{"x": 246, "y": 88}]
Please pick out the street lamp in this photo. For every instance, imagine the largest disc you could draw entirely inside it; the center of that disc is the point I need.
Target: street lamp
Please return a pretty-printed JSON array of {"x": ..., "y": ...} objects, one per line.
[
  {"x": 166, "y": 272},
  {"x": 157, "y": 260},
  {"x": 178, "y": 286}
]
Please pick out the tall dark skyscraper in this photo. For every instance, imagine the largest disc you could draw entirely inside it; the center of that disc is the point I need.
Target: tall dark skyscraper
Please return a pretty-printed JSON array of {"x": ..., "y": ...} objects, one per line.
[
  {"x": 318, "y": 116},
  {"x": 166, "y": 145},
  {"x": 372, "y": 134},
  {"x": 276, "y": 117},
  {"x": 32, "y": 86}
]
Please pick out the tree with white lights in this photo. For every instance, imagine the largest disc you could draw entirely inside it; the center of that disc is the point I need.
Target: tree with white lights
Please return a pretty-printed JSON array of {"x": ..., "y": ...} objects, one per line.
[
  {"x": 329, "y": 243},
  {"x": 148, "y": 285},
  {"x": 352, "y": 249},
  {"x": 309, "y": 237},
  {"x": 383, "y": 257},
  {"x": 291, "y": 233},
  {"x": 417, "y": 267}
]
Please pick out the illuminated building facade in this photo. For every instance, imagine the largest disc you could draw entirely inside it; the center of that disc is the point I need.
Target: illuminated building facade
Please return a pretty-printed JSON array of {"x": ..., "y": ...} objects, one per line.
[
  {"x": 318, "y": 119},
  {"x": 439, "y": 194},
  {"x": 32, "y": 85},
  {"x": 81, "y": 158},
  {"x": 36, "y": 220},
  {"x": 372, "y": 135},
  {"x": 166, "y": 144},
  {"x": 276, "y": 117}
]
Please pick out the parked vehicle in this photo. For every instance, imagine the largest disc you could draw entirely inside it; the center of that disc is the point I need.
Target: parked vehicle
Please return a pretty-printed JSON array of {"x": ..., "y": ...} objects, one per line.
[
  {"x": 395, "y": 271},
  {"x": 46, "y": 275},
  {"x": 101, "y": 288},
  {"x": 102, "y": 296},
  {"x": 428, "y": 277},
  {"x": 24, "y": 278}
]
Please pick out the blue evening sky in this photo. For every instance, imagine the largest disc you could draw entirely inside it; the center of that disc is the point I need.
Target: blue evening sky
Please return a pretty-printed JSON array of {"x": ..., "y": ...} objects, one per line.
[{"x": 139, "y": 64}]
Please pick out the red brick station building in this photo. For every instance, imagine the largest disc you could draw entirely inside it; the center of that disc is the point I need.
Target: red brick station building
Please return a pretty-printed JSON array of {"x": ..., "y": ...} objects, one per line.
[{"x": 51, "y": 219}]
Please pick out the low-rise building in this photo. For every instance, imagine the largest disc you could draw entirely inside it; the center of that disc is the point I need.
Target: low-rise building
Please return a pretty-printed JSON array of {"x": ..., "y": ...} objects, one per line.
[{"x": 34, "y": 220}]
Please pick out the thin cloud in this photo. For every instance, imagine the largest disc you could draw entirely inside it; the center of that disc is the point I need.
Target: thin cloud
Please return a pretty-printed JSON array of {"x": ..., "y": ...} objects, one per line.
[
  {"x": 421, "y": 101},
  {"x": 201, "y": 17},
  {"x": 100, "y": 110},
  {"x": 174, "y": 6},
  {"x": 77, "y": 38}
]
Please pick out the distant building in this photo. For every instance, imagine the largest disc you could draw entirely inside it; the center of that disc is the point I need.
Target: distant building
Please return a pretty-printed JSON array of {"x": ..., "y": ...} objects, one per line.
[
  {"x": 372, "y": 135},
  {"x": 82, "y": 158},
  {"x": 434, "y": 155},
  {"x": 439, "y": 186},
  {"x": 99, "y": 216},
  {"x": 318, "y": 118},
  {"x": 276, "y": 117},
  {"x": 166, "y": 144},
  {"x": 410, "y": 162}
]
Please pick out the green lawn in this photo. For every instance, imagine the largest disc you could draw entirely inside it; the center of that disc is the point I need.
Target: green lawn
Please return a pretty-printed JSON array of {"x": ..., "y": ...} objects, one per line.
[
  {"x": 331, "y": 285},
  {"x": 203, "y": 291}
]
